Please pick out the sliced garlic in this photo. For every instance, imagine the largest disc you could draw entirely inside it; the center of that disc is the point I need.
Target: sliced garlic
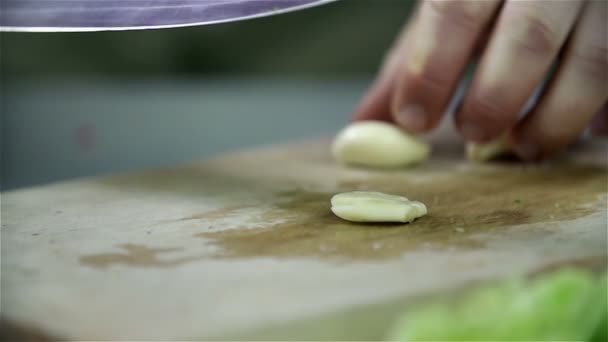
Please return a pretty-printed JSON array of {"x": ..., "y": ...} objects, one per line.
[
  {"x": 369, "y": 206},
  {"x": 378, "y": 144},
  {"x": 488, "y": 151}
]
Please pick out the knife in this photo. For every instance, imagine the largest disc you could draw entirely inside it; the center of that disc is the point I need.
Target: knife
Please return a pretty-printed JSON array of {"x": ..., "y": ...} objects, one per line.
[{"x": 116, "y": 15}]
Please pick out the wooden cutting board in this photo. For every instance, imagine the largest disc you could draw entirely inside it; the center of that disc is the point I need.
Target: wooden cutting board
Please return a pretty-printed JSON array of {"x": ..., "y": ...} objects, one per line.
[{"x": 245, "y": 246}]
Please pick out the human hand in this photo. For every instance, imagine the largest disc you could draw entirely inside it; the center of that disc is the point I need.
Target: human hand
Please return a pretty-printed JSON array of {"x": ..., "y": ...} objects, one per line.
[{"x": 516, "y": 43}]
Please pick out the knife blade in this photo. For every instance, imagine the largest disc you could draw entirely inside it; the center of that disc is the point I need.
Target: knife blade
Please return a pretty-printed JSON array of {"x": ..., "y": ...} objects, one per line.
[{"x": 116, "y": 15}]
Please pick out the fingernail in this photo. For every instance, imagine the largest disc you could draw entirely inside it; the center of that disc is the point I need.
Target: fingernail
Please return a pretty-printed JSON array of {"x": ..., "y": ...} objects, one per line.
[
  {"x": 412, "y": 117},
  {"x": 472, "y": 132},
  {"x": 527, "y": 151}
]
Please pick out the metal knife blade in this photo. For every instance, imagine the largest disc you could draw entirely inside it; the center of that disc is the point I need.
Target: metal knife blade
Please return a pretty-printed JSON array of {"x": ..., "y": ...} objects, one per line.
[{"x": 115, "y": 15}]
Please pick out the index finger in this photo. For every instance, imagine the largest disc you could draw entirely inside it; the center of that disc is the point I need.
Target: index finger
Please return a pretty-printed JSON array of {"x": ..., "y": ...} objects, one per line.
[{"x": 440, "y": 44}]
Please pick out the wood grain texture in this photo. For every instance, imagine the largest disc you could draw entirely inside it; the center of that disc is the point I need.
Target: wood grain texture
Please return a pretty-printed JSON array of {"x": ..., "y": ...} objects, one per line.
[{"x": 247, "y": 241}]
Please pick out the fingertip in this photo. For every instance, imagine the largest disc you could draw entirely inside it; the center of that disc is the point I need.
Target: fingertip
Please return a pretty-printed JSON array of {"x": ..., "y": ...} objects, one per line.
[
  {"x": 472, "y": 132},
  {"x": 413, "y": 118},
  {"x": 477, "y": 131},
  {"x": 527, "y": 151},
  {"x": 526, "y": 143},
  {"x": 483, "y": 117}
]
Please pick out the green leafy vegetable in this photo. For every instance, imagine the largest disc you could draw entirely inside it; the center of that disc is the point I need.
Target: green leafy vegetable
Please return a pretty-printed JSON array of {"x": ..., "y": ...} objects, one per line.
[{"x": 566, "y": 305}]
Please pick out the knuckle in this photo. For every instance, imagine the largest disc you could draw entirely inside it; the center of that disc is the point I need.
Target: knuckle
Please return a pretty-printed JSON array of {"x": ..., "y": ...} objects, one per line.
[
  {"x": 490, "y": 106},
  {"x": 533, "y": 33},
  {"x": 461, "y": 13},
  {"x": 429, "y": 80}
]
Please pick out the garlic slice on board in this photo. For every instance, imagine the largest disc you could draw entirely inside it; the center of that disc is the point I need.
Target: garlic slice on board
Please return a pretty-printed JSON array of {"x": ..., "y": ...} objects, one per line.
[
  {"x": 488, "y": 151},
  {"x": 370, "y": 206}
]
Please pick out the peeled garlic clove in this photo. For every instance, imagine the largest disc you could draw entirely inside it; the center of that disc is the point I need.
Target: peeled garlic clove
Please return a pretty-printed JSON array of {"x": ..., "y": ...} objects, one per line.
[
  {"x": 369, "y": 206},
  {"x": 488, "y": 151},
  {"x": 378, "y": 144}
]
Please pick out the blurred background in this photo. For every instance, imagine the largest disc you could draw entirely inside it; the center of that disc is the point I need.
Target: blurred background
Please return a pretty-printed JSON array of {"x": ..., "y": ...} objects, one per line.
[{"x": 82, "y": 104}]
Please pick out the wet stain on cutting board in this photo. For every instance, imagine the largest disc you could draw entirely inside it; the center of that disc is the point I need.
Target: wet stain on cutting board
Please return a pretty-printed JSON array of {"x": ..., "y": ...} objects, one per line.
[
  {"x": 459, "y": 207},
  {"x": 134, "y": 255}
]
